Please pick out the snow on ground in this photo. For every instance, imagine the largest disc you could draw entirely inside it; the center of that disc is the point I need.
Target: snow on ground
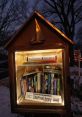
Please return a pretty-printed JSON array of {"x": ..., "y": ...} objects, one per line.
[
  {"x": 76, "y": 99},
  {"x": 5, "y": 110}
]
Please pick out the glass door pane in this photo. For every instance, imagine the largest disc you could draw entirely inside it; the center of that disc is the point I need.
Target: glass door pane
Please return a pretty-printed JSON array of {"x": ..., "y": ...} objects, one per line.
[{"x": 39, "y": 77}]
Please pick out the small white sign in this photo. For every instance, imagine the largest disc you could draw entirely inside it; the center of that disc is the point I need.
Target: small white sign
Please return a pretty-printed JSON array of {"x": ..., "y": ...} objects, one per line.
[{"x": 46, "y": 98}]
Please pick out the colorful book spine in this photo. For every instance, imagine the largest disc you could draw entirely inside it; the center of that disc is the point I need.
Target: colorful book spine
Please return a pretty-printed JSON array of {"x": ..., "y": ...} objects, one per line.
[
  {"x": 35, "y": 83},
  {"x": 38, "y": 82},
  {"x": 29, "y": 84},
  {"x": 42, "y": 83},
  {"x": 46, "y": 83},
  {"x": 49, "y": 83},
  {"x": 55, "y": 86},
  {"x": 32, "y": 87},
  {"x": 52, "y": 78},
  {"x": 58, "y": 86}
]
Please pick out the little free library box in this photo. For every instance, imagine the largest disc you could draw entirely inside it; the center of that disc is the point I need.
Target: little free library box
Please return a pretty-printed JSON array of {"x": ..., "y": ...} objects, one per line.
[{"x": 38, "y": 56}]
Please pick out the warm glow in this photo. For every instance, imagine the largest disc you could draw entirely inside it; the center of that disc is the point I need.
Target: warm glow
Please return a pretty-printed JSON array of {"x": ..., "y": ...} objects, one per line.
[
  {"x": 63, "y": 102},
  {"x": 40, "y": 51},
  {"x": 38, "y": 55},
  {"x": 55, "y": 28},
  {"x": 37, "y": 26},
  {"x": 31, "y": 67},
  {"x": 18, "y": 102},
  {"x": 45, "y": 98}
]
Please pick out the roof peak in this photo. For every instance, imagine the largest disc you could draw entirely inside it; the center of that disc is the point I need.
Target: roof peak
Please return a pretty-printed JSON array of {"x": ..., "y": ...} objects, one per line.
[{"x": 37, "y": 15}]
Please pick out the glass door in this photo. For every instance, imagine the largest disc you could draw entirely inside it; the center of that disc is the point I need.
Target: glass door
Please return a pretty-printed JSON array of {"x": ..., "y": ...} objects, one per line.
[{"x": 39, "y": 77}]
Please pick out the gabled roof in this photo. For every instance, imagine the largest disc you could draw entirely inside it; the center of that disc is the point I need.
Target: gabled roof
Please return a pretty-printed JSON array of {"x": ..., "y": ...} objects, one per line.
[{"x": 42, "y": 19}]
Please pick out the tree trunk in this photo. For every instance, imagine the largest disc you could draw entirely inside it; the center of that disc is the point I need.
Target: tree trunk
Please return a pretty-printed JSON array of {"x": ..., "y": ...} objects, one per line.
[{"x": 71, "y": 53}]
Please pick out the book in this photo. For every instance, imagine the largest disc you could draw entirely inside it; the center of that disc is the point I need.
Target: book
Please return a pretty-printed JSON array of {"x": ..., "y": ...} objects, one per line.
[
  {"x": 38, "y": 82},
  {"x": 23, "y": 84},
  {"x": 58, "y": 86},
  {"x": 52, "y": 78},
  {"x": 55, "y": 86}
]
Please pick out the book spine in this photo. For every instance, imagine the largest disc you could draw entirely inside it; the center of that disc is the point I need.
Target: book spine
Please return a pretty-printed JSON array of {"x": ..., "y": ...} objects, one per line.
[
  {"x": 38, "y": 82},
  {"x": 42, "y": 83},
  {"x": 58, "y": 86},
  {"x": 46, "y": 83},
  {"x": 35, "y": 83},
  {"x": 29, "y": 84},
  {"x": 32, "y": 87},
  {"x": 52, "y": 78},
  {"x": 23, "y": 85},
  {"x": 55, "y": 86},
  {"x": 49, "y": 83}
]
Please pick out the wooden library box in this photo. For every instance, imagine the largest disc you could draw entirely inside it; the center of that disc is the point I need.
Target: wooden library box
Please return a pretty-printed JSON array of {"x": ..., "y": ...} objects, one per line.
[{"x": 38, "y": 56}]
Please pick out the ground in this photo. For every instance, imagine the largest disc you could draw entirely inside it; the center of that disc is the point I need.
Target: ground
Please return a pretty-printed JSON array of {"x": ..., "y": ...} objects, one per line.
[{"x": 5, "y": 110}]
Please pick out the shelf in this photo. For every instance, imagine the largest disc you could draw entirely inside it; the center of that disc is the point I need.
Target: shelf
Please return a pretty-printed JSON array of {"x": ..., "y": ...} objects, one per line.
[
  {"x": 30, "y": 73},
  {"x": 39, "y": 72},
  {"x": 40, "y": 64},
  {"x": 44, "y": 98}
]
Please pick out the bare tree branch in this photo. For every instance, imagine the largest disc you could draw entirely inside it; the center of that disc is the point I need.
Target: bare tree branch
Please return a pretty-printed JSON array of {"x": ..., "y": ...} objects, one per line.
[
  {"x": 69, "y": 12},
  {"x": 11, "y": 13}
]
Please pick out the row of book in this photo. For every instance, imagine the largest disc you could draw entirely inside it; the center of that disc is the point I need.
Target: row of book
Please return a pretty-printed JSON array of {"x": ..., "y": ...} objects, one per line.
[{"x": 41, "y": 82}]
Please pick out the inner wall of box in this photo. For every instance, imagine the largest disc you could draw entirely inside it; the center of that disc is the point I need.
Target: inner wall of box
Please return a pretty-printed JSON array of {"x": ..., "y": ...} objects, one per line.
[{"x": 39, "y": 76}]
